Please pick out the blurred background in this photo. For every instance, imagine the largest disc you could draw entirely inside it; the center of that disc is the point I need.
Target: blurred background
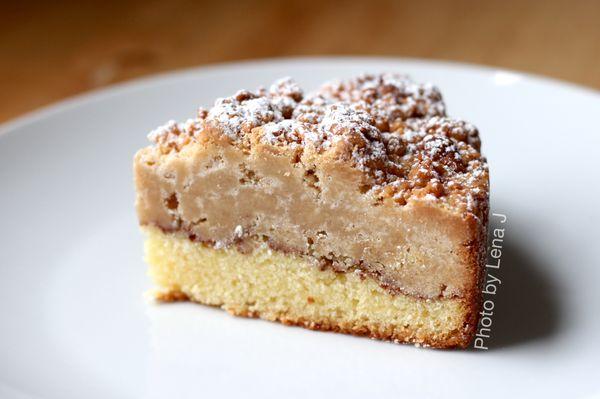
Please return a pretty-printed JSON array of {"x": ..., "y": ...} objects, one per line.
[{"x": 50, "y": 50}]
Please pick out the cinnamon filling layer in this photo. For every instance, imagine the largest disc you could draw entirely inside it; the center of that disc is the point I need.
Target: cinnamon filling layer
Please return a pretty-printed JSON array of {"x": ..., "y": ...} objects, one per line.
[{"x": 246, "y": 244}]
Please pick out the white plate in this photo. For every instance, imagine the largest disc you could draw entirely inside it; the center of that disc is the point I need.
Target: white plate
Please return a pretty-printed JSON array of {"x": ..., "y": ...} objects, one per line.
[{"x": 75, "y": 324}]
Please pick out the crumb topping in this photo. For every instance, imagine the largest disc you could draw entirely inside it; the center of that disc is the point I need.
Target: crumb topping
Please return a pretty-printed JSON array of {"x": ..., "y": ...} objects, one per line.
[
  {"x": 389, "y": 98},
  {"x": 394, "y": 130}
]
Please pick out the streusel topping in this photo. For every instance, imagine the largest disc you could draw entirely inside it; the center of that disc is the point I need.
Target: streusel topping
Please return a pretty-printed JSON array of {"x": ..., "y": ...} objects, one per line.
[{"x": 394, "y": 130}]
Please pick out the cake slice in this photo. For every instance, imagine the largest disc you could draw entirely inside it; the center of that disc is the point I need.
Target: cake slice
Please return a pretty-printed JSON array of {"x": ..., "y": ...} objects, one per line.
[{"x": 359, "y": 208}]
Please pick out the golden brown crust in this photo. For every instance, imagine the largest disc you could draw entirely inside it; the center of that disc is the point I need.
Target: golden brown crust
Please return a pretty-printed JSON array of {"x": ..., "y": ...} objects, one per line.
[
  {"x": 455, "y": 339},
  {"x": 171, "y": 296}
]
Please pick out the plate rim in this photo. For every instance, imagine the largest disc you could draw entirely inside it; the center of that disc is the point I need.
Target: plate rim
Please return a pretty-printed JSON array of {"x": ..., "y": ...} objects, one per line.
[{"x": 118, "y": 88}]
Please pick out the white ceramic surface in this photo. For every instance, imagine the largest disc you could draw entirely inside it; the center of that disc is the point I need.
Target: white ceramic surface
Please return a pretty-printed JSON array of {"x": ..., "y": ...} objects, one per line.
[{"x": 75, "y": 323}]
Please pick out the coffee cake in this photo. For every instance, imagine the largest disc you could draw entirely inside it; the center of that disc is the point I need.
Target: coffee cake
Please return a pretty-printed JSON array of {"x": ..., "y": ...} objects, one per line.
[{"x": 358, "y": 208}]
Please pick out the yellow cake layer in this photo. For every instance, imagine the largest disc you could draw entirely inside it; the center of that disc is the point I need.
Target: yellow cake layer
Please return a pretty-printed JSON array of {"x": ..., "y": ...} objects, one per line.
[{"x": 291, "y": 289}]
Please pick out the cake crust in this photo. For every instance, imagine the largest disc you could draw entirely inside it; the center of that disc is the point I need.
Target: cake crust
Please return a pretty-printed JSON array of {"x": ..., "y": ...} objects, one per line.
[
  {"x": 461, "y": 341},
  {"x": 381, "y": 333}
]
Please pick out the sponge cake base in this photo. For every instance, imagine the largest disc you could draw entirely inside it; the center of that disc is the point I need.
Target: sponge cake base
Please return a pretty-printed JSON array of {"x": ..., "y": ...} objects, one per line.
[{"x": 293, "y": 290}]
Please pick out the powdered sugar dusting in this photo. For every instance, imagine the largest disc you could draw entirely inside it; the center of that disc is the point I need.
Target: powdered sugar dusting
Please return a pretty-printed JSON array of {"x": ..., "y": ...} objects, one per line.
[{"x": 391, "y": 98}]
